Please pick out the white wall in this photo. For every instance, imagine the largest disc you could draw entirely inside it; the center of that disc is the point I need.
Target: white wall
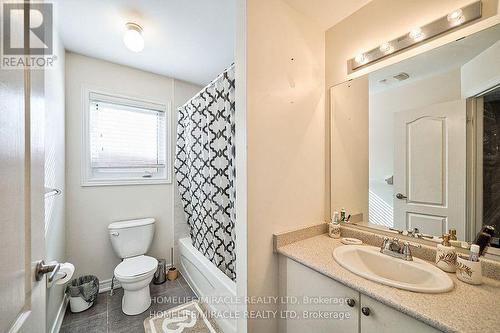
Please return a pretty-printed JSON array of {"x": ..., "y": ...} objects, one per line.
[
  {"x": 285, "y": 128},
  {"x": 91, "y": 209},
  {"x": 54, "y": 174},
  {"x": 482, "y": 72}
]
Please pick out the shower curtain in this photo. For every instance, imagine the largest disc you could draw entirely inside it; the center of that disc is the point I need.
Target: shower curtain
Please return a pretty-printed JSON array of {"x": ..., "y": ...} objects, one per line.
[{"x": 205, "y": 170}]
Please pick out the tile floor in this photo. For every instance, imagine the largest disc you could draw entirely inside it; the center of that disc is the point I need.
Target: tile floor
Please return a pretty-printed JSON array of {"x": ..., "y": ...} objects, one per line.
[{"x": 106, "y": 315}]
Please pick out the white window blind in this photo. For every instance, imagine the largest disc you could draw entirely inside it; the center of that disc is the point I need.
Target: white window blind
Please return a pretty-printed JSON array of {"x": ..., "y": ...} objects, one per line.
[{"x": 126, "y": 138}]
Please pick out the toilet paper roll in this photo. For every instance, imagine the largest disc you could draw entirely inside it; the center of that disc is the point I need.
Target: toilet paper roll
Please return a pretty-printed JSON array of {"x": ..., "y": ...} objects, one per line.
[{"x": 65, "y": 273}]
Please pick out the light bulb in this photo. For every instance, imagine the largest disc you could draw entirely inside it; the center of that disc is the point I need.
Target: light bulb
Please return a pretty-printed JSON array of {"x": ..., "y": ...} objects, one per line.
[
  {"x": 386, "y": 48},
  {"x": 360, "y": 58},
  {"x": 416, "y": 34},
  {"x": 133, "y": 37},
  {"x": 456, "y": 16}
]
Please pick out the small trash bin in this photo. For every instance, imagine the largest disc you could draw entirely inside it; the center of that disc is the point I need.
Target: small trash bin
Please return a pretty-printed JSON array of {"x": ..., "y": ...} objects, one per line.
[{"x": 82, "y": 292}]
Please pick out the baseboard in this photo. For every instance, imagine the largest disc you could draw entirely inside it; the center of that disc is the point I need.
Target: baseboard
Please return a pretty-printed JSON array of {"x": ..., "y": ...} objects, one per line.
[
  {"x": 105, "y": 285},
  {"x": 56, "y": 326}
]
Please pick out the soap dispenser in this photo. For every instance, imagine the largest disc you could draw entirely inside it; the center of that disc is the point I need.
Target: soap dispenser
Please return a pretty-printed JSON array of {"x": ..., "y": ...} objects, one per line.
[
  {"x": 446, "y": 255},
  {"x": 334, "y": 226}
]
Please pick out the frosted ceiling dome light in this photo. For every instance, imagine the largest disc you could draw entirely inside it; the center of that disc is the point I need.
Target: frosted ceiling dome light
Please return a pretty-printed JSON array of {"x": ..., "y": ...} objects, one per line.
[{"x": 133, "y": 37}]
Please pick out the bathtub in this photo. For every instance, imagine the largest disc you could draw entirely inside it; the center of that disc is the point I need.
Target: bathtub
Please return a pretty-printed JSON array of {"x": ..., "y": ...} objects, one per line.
[{"x": 209, "y": 283}]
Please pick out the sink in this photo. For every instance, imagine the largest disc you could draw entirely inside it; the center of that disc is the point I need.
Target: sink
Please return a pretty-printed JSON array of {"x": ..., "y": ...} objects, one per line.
[{"x": 417, "y": 275}]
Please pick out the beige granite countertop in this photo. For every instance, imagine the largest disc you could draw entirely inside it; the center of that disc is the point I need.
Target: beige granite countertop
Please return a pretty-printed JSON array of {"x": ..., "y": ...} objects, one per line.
[{"x": 466, "y": 308}]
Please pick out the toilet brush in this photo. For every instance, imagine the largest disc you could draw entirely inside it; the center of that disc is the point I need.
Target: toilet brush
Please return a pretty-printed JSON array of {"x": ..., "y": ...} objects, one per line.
[{"x": 172, "y": 271}]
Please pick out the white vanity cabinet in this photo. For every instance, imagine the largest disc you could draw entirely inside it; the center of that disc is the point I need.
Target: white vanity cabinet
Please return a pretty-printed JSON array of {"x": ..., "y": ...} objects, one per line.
[{"x": 309, "y": 295}]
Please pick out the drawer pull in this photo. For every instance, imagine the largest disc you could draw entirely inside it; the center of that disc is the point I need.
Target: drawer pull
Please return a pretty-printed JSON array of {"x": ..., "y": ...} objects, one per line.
[
  {"x": 365, "y": 310},
  {"x": 351, "y": 302}
]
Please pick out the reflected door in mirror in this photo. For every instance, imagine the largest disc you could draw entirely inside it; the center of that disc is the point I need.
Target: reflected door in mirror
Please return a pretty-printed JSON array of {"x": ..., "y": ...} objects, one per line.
[{"x": 429, "y": 168}]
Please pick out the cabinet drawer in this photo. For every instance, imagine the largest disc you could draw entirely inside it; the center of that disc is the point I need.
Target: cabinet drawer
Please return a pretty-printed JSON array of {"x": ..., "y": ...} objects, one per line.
[{"x": 382, "y": 318}]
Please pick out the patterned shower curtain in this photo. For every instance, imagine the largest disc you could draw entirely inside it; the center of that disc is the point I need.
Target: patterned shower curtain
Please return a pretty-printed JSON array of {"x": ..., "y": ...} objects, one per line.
[{"x": 205, "y": 170}]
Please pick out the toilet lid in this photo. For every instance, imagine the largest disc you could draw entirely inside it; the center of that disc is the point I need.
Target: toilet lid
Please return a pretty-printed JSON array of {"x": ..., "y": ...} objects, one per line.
[{"x": 136, "y": 266}]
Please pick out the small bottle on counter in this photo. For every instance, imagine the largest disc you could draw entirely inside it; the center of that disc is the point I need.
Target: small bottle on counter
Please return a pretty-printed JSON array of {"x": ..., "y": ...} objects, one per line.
[
  {"x": 474, "y": 252},
  {"x": 342, "y": 215},
  {"x": 334, "y": 226},
  {"x": 446, "y": 256},
  {"x": 453, "y": 234}
]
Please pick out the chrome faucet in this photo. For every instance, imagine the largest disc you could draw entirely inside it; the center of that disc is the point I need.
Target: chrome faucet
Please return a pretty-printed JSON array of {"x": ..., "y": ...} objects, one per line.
[{"x": 392, "y": 247}]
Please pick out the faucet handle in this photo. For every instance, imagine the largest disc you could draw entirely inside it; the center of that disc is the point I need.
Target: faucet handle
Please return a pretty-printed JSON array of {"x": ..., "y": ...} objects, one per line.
[
  {"x": 406, "y": 251},
  {"x": 385, "y": 243}
]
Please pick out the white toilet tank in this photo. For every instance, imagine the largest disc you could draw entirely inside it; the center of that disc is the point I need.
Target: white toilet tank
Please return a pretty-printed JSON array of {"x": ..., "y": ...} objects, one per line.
[{"x": 131, "y": 238}]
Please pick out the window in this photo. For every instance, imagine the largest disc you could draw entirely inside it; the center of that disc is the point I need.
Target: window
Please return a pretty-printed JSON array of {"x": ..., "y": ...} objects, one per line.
[{"x": 126, "y": 141}]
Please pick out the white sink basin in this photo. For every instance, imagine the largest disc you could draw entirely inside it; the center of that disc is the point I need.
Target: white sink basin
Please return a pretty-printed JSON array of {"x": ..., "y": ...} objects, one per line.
[{"x": 416, "y": 275}]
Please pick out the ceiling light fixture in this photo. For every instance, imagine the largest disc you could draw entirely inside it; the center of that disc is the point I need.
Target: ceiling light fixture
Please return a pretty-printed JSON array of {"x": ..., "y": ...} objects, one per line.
[{"x": 133, "y": 37}]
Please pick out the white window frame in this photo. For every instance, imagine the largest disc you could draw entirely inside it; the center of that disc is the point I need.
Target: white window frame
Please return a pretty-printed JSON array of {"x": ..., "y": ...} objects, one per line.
[{"x": 87, "y": 178}]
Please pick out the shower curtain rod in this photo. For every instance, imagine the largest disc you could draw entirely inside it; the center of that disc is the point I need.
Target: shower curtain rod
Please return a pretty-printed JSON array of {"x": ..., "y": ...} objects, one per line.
[{"x": 208, "y": 85}]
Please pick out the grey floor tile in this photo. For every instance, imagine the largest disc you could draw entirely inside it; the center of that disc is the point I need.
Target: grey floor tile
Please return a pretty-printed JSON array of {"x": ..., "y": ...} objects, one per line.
[
  {"x": 173, "y": 295},
  {"x": 107, "y": 316},
  {"x": 182, "y": 281},
  {"x": 115, "y": 301},
  {"x": 190, "y": 294},
  {"x": 92, "y": 324},
  {"x": 99, "y": 307},
  {"x": 118, "y": 322},
  {"x": 158, "y": 289}
]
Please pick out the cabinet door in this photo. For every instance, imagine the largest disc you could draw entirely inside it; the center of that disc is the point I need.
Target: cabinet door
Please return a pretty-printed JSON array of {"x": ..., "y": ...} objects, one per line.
[
  {"x": 382, "y": 318},
  {"x": 319, "y": 302}
]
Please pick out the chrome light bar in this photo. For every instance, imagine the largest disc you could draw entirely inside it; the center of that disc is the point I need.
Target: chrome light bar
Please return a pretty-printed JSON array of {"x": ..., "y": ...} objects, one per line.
[{"x": 417, "y": 35}]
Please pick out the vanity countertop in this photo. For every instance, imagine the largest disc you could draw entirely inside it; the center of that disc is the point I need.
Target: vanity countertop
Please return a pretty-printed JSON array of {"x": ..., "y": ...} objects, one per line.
[{"x": 466, "y": 308}]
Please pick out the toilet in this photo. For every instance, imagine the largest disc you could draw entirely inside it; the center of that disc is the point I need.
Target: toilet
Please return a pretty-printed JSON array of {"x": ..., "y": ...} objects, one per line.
[{"x": 131, "y": 240}]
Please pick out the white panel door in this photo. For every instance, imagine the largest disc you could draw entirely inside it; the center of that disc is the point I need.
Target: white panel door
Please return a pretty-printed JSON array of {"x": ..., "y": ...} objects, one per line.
[
  {"x": 22, "y": 298},
  {"x": 430, "y": 168}
]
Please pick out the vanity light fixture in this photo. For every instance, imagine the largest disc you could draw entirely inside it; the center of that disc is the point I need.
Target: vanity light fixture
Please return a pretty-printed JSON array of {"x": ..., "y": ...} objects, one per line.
[
  {"x": 416, "y": 34},
  {"x": 386, "y": 48},
  {"x": 360, "y": 59},
  {"x": 456, "y": 18},
  {"x": 133, "y": 37}
]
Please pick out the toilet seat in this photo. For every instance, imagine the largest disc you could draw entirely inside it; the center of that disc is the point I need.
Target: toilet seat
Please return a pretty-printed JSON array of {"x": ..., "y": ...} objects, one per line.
[{"x": 136, "y": 268}]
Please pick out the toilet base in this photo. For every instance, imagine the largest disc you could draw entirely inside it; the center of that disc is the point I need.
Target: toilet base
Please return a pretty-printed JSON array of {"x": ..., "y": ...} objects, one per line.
[{"x": 135, "y": 302}]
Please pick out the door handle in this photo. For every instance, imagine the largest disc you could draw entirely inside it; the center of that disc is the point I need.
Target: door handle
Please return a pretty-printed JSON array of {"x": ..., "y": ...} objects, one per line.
[
  {"x": 401, "y": 196},
  {"x": 42, "y": 269}
]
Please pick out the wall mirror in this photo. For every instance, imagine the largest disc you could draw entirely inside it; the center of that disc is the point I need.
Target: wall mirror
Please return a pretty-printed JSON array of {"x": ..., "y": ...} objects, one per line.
[{"x": 416, "y": 145}]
